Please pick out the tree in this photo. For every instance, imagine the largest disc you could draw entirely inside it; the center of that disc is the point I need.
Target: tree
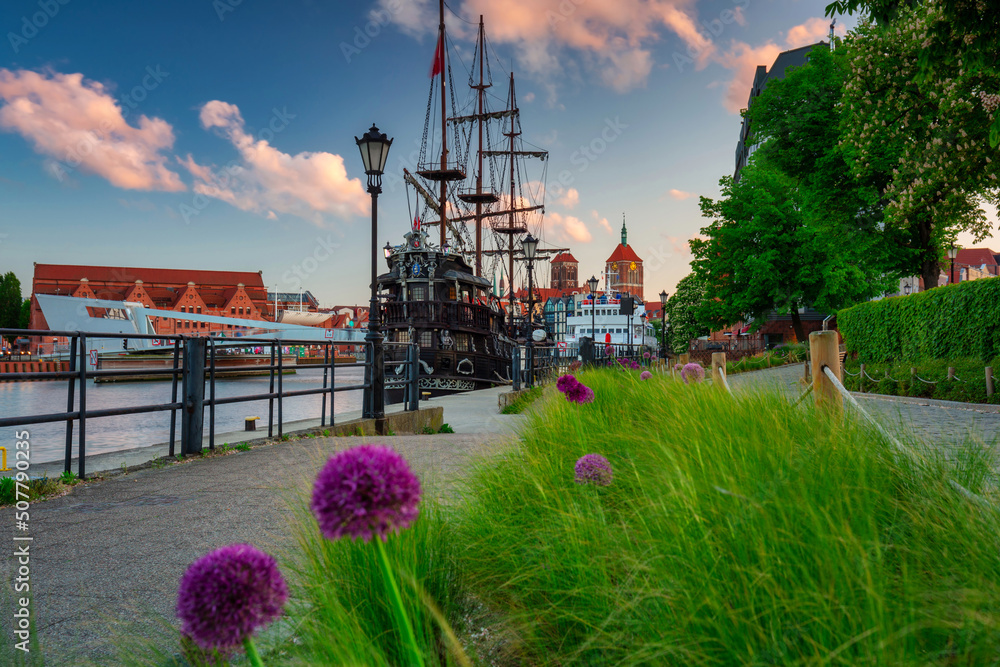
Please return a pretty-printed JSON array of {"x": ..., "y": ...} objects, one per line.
[
  {"x": 682, "y": 313},
  {"x": 10, "y": 302},
  {"x": 25, "y": 320},
  {"x": 759, "y": 254},
  {"x": 796, "y": 121},
  {"x": 916, "y": 130}
]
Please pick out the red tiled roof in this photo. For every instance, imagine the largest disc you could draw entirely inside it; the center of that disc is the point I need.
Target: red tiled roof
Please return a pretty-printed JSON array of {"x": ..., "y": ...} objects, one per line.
[
  {"x": 73, "y": 273},
  {"x": 975, "y": 257},
  {"x": 564, "y": 257},
  {"x": 624, "y": 253}
]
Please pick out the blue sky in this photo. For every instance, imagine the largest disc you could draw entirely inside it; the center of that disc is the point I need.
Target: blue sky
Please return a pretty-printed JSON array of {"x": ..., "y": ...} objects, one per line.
[{"x": 173, "y": 94}]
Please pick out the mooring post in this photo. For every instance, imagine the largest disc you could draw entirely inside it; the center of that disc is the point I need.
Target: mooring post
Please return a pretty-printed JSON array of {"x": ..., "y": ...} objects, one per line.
[
  {"x": 861, "y": 379},
  {"x": 824, "y": 350},
  {"x": 718, "y": 368},
  {"x": 193, "y": 414},
  {"x": 989, "y": 381},
  {"x": 684, "y": 359},
  {"x": 951, "y": 373},
  {"x": 515, "y": 366}
]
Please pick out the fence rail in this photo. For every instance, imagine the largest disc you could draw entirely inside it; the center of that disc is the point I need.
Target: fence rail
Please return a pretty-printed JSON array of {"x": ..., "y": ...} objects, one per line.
[{"x": 193, "y": 366}]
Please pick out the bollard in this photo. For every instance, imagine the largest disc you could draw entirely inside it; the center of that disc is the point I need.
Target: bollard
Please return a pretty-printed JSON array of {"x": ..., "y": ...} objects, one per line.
[
  {"x": 684, "y": 359},
  {"x": 824, "y": 350},
  {"x": 861, "y": 379},
  {"x": 718, "y": 367},
  {"x": 193, "y": 412},
  {"x": 951, "y": 373},
  {"x": 989, "y": 381}
]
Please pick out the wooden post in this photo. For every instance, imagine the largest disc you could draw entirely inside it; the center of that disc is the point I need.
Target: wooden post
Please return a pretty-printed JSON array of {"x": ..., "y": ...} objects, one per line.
[
  {"x": 718, "y": 367},
  {"x": 861, "y": 378},
  {"x": 989, "y": 381},
  {"x": 951, "y": 373},
  {"x": 824, "y": 350},
  {"x": 685, "y": 359}
]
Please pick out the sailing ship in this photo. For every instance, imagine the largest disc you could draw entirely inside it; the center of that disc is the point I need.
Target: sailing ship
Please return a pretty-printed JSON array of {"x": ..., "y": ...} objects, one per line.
[{"x": 475, "y": 190}]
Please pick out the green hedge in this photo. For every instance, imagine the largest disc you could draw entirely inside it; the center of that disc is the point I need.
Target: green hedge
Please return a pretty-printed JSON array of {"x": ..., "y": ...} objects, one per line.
[{"x": 955, "y": 321}]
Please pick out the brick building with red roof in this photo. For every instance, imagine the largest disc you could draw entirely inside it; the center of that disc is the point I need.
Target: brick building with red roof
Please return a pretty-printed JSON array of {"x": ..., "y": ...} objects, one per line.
[
  {"x": 237, "y": 294},
  {"x": 623, "y": 269},
  {"x": 564, "y": 271}
]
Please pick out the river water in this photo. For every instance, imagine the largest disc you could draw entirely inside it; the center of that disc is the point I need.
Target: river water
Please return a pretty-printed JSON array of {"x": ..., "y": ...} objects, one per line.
[{"x": 108, "y": 434}]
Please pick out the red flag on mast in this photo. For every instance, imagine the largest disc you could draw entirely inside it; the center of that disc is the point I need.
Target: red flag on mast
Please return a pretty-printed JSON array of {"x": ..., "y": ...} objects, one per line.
[{"x": 437, "y": 67}]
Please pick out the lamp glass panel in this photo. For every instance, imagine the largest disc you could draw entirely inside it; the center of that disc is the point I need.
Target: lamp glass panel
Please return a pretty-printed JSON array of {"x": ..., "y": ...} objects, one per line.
[{"x": 530, "y": 245}]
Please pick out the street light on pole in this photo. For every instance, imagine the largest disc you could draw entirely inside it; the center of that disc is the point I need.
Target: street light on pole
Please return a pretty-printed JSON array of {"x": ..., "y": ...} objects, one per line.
[
  {"x": 374, "y": 147},
  {"x": 952, "y": 254},
  {"x": 663, "y": 324},
  {"x": 592, "y": 284},
  {"x": 530, "y": 246}
]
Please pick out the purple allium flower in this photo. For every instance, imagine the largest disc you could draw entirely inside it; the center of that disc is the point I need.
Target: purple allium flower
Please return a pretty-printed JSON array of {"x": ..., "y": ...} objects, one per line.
[
  {"x": 678, "y": 367},
  {"x": 566, "y": 382},
  {"x": 693, "y": 371},
  {"x": 646, "y": 355},
  {"x": 580, "y": 394},
  {"x": 645, "y": 375},
  {"x": 593, "y": 469},
  {"x": 608, "y": 349},
  {"x": 575, "y": 366},
  {"x": 635, "y": 365},
  {"x": 364, "y": 491},
  {"x": 227, "y": 594}
]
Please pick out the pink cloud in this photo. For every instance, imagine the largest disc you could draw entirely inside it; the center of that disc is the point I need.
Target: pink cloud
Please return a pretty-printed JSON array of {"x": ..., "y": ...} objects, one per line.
[
  {"x": 603, "y": 222},
  {"x": 570, "y": 199},
  {"x": 744, "y": 59},
  {"x": 568, "y": 228},
  {"x": 681, "y": 194},
  {"x": 268, "y": 181},
  {"x": 614, "y": 39},
  {"x": 78, "y": 124}
]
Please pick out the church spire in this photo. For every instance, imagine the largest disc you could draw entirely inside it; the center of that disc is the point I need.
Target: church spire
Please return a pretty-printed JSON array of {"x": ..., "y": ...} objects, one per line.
[{"x": 624, "y": 231}]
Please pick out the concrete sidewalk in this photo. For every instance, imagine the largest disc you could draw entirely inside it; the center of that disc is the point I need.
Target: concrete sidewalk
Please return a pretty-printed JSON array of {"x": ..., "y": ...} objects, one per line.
[{"x": 111, "y": 553}]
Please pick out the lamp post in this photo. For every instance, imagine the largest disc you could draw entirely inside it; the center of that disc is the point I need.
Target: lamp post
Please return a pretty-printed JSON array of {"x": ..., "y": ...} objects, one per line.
[
  {"x": 374, "y": 147},
  {"x": 663, "y": 324},
  {"x": 592, "y": 284},
  {"x": 906, "y": 289},
  {"x": 530, "y": 246},
  {"x": 952, "y": 254}
]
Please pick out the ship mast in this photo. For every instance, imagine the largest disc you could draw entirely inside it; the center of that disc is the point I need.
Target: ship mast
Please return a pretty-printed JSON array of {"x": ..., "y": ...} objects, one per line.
[
  {"x": 481, "y": 88},
  {"x": 444, "y": 128},
  {"x": 511, "y": 227}
]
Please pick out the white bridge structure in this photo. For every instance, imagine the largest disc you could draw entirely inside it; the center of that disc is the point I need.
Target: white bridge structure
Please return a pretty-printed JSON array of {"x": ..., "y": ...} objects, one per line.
[{"x": 67, "y": 313}]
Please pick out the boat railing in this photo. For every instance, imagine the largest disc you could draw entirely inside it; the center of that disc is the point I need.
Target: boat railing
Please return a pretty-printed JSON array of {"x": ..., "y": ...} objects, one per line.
[
  {"x": 192, "y": 373},
  {"x": 445, "y": 313}
]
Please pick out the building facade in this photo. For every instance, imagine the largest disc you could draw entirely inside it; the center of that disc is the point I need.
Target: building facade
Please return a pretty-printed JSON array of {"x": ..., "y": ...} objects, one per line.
[
  {"x": 623, "y": 270},
  {"x": 236, "y": 294},
  {"x": 565, "y": 272}
]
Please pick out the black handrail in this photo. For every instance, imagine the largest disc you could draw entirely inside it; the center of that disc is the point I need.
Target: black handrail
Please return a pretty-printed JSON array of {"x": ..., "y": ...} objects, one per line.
[{"x": 76, "y": 407}]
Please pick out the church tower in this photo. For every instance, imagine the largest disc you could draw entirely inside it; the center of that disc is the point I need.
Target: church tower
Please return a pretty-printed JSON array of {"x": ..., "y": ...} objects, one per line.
[{"x": 623, "y": 269}]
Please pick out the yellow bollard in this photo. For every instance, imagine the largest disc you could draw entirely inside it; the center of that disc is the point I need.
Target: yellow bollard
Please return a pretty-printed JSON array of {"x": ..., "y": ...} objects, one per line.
[
  {"x": 824, "y": 350},
  {"x": 3, "y": 451}
]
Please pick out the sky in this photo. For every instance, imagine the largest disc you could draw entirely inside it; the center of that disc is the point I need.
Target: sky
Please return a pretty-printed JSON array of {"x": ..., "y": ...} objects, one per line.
[{"x": 219, "y": 134}]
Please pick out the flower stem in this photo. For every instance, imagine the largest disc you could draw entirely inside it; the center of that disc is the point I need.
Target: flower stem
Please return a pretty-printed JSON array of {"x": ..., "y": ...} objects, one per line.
[
  {"x": 252, "y": 654},
  {"x": 402, "y": 619}
]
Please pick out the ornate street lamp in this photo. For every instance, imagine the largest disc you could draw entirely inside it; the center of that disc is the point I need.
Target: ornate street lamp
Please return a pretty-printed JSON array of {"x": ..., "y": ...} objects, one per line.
[
  {"x": 592, "y": 284},
  {"x": 530, "y": 247},
  {"x": 952, "y": 254},
  {"x": 663, "y": 324},
  {"x": 906, "y": 289},
  {"x": 374, "y": 147}
]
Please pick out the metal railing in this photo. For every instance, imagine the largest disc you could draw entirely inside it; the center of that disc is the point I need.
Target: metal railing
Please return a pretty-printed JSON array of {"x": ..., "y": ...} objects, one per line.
[{"x": 193, "y": 366}]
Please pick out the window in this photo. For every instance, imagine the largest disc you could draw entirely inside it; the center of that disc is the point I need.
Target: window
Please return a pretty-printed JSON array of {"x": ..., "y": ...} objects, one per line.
[
  {"x": 462, "y": 342},
  {"x": 426, "y": 339},
  {"x": 241, "y": 310},
  {"x": 198, "y": 310},
  {"x": 232, "y": 310},
  {"x": 418, "y": 292},
  {"x": 451, "y": 293}
]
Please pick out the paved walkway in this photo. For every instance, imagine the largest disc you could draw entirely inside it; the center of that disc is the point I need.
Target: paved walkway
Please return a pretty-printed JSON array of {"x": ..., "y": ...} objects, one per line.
[
  {"x": 112, "y": 552},
  {"x": 934, "y": 423}
]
